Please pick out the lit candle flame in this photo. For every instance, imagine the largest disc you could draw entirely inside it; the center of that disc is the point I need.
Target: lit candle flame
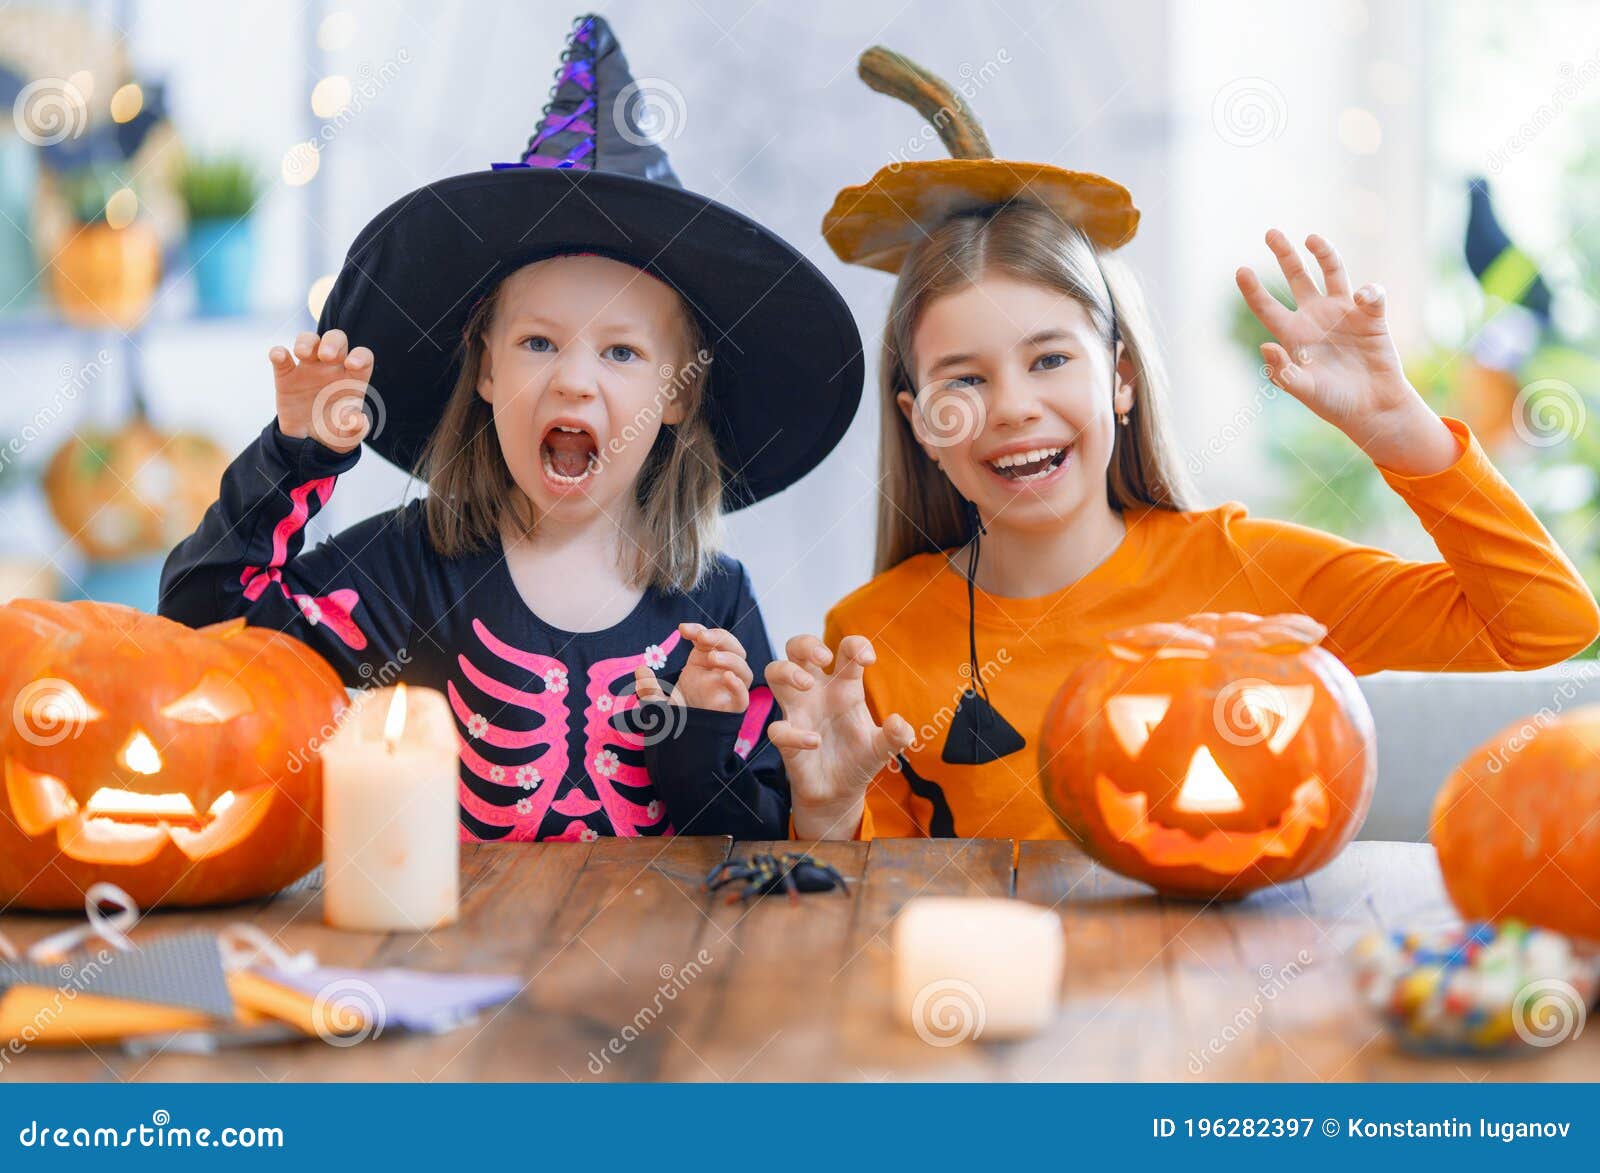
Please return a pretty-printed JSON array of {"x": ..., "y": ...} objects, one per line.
[{"x": 395, "y": 723}]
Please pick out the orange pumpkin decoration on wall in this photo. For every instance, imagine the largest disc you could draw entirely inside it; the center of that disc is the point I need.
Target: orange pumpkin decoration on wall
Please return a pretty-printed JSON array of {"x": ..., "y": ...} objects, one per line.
[
  {"x": 178, "y": 764},
  {"x": 1213, "y": 756},
  {"x": 133, "y": 491},
  {"x": 106, "y": 277},
  {"x": 1517, "y": 825}
]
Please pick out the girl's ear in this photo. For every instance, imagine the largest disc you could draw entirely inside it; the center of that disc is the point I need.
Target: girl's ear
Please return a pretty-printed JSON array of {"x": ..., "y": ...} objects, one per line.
[
  {"x": 907, "y": 403},
  {"x": 674, "y": 411},
  {"x": 486, "y": 374},
  {"x": 1122, "y": 401}
]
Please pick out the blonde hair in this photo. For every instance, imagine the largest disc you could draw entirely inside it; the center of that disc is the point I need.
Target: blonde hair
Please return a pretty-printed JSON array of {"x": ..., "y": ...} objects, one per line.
[
  {"x": 919, "y": 509},
  {"x": 471, "y": 493}
]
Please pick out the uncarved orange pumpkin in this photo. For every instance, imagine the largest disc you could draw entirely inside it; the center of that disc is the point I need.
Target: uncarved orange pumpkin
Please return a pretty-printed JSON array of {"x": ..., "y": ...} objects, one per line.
[
  {"x": 104, "y": 276},
  {"x": 1212, "y": 756},
  {"x": 178, "y": 764},
  {"x": 1517, "y": 825}
]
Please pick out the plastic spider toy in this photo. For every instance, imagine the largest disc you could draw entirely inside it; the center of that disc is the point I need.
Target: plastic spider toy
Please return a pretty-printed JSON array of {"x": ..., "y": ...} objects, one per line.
[{"x": 765, "y": 875}]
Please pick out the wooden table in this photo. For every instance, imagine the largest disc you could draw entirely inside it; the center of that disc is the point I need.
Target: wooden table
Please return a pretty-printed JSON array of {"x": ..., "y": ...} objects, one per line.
[{"x": 1154, "y": 989}]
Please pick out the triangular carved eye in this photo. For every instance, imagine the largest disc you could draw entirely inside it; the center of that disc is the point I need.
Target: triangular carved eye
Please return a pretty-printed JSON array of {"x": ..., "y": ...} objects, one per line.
[
  {"x": 50, "y": 710},
  {"x": 1276, "y": 712},
  {"x": 216, "y": 699},
  {"x": 1133, "y": 717},
  {"x": 1296, "y": 704}
]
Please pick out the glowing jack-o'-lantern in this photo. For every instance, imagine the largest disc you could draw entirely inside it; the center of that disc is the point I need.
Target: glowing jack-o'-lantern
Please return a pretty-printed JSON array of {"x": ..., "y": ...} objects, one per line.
[
  {"x": 178, "y": 764},
  {"x": 1213, "y": 756}
]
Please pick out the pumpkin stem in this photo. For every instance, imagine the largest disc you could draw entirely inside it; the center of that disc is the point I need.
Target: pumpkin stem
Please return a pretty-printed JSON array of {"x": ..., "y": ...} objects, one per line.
[{"x": 898, "y": 76}]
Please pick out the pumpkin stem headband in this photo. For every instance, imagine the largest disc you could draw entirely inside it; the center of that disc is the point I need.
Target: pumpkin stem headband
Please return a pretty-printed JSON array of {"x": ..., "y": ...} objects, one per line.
[
  {"x": 958, "y": 128},
  {"x": 900, "y": 77}
]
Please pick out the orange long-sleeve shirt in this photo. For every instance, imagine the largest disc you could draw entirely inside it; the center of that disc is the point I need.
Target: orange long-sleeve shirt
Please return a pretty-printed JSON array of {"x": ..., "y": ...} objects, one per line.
[{"x": 1503, "y": 597}]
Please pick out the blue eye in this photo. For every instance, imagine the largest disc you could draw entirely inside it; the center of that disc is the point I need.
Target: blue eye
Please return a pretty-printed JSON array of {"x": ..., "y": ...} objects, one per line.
[
  {"x": 621, "y": 353},
  {"x": 963, "y": 382},
  {"x": 539, "y": 344},
  {"x": 1050, "y": 362}
]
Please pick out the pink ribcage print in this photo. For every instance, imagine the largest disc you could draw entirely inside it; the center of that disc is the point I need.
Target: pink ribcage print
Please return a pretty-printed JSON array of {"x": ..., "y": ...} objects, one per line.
[
  {"x": 602, "y": 739},
  {"x": 613, "y": 758},
  {"x": 530, "y": 787}
]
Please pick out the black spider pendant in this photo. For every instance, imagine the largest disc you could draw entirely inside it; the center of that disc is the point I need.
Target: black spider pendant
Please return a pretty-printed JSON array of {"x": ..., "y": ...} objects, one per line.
[{"x": 765, "y": 875}]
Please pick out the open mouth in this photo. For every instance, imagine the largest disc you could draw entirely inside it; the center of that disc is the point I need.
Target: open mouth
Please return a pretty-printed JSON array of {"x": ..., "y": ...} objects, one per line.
[
  {"x": 1032, "y": 465},
  {"x": 569, "y": 454},
  {"x": 1224, "y": 852},
  {"x": 118, "y": 826}
]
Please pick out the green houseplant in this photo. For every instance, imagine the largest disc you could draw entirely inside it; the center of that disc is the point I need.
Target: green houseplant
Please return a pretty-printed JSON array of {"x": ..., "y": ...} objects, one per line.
[{"x": 220, "y": 194}]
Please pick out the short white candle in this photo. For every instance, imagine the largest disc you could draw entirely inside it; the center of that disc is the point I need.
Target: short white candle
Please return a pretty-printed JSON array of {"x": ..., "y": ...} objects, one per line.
[
  {"x": 975, "y": 968},
  {"x": 390, "y": 794}
]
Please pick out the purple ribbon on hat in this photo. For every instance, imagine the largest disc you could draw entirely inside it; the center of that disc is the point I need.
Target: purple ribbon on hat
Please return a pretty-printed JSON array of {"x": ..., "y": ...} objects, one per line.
[{"x": 577, "y": 70}]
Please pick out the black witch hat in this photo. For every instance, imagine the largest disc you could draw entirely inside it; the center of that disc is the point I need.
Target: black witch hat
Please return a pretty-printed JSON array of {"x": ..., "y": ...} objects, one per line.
[{"x": 787, "y": 370}]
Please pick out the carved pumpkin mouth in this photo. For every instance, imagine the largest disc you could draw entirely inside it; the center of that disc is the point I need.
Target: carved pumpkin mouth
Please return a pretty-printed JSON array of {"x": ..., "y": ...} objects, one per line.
[
  {"x": 1127, "y": 817},
  {"x": 127, "y": 827}
]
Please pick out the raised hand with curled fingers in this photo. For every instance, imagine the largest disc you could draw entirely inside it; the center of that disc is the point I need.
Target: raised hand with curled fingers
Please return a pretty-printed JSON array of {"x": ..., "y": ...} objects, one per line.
[
  {"x": 831, "y": 744},
  {"x": 1334, "y": 353},
  {"x": 321, "y": 388},
  {"x": 716, "y": 676}
]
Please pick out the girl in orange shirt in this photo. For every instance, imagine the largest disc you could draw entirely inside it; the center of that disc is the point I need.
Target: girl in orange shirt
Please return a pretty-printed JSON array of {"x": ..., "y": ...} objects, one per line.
[{"x": 1032, "y": 501}]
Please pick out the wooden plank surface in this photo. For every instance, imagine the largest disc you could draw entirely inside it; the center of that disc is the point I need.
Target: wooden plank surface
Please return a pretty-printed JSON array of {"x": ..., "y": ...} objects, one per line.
[
  {"x": 869, "y": 1044},
  {"x": 632, "y": 971},
  {"x": 595, "y": 1006}
]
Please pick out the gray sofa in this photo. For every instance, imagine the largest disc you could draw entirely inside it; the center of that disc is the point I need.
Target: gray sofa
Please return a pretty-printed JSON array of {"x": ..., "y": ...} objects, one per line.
[{"x": 1427, "y": 721}]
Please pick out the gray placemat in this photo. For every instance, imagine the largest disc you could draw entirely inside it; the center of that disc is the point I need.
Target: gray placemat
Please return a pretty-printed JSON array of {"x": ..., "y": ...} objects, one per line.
[
  {"x": 310, "y": 882},
  {"x": 180, "y": 969}
]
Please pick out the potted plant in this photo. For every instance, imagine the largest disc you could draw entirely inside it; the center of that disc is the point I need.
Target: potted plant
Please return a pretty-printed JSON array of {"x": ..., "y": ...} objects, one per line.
[
  {"x": 107, "y": 270},
  {"x": 220, "y": 194}
]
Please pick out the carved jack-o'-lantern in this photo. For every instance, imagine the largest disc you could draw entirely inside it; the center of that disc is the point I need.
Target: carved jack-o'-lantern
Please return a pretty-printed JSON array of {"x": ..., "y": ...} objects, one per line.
[
  {"x": 133, "y": 491},
  {"x": 1517, "y": 825},
  {"x": 1213, "y": 756},
  {"x": 178, "y": 764}
]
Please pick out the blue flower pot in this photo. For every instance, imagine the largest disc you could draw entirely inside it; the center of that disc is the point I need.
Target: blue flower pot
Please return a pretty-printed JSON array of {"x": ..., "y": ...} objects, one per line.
[
  {"x": 223, "y": 254},
  {"x": 19, "y": 175}
]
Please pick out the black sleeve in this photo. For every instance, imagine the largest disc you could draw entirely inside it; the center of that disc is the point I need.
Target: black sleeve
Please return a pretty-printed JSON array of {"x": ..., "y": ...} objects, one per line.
[
  {"x": 717, "y": 772},
  {"x": 349, "y": 598}
]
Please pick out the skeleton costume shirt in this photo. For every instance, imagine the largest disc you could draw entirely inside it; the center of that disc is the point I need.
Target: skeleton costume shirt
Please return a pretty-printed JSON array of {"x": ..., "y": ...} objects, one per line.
[{"x": 554, "y": 744}]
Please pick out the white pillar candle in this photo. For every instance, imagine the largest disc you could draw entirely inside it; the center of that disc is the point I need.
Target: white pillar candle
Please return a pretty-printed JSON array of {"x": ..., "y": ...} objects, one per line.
[
  {"x": 975, "y": 968},
  {"x": 390, "y": 786}
]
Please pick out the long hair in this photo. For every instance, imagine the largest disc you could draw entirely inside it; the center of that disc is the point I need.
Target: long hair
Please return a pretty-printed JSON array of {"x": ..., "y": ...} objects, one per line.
[
  {"x": 919, "y": 509},
  {"x": 472, "y": 496}
]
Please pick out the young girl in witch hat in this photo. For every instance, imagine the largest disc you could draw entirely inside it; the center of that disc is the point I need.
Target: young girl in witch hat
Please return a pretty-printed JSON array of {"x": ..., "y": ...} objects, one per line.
[
  {"x": 587, "y": 364},
  {"x": 1032, "y": 503}
]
